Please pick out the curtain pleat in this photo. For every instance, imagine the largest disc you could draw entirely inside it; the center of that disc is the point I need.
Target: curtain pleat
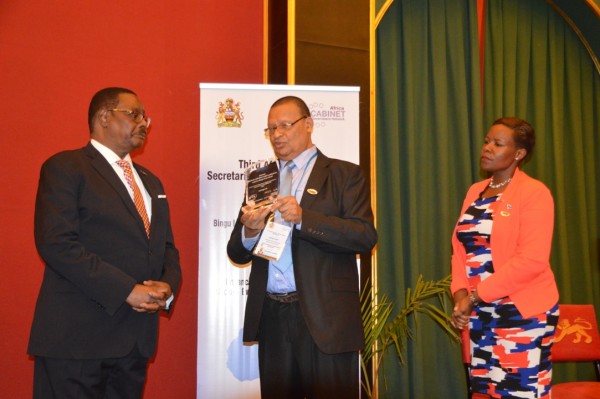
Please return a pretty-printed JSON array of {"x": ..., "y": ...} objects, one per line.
[
  {"x": 428, "y": 110},
  {"x": 537, "y": 69}
]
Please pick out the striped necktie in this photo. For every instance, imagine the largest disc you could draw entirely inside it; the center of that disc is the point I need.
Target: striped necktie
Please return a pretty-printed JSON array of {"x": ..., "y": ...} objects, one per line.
[{"x": 138, "y": 200}]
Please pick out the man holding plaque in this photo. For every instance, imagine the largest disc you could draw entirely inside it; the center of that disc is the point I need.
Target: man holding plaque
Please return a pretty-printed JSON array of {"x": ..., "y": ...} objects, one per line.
[{"x": 303, "y": 304}]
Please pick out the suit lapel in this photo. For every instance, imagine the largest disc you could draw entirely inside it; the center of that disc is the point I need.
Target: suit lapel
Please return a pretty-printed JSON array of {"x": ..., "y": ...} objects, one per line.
[
  {"x": 315, "y": 181},
  {"x": 102, "y": 166},
  {"x": 145, "y": 179}
]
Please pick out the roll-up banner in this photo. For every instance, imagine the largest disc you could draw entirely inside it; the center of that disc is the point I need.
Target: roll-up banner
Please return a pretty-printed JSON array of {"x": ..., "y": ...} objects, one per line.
[{"x": 232, "y": 122}]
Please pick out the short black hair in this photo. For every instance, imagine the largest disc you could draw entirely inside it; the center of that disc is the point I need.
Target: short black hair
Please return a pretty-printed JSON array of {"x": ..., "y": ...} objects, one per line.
[
  {"x": 524, "y": 133},
  {"x": 106, "y": 98},
  {"x": 296, "y": 100}
]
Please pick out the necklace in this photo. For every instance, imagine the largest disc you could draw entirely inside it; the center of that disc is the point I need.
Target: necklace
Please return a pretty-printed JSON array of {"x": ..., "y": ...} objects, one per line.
[{"x": 504, "y": 183}]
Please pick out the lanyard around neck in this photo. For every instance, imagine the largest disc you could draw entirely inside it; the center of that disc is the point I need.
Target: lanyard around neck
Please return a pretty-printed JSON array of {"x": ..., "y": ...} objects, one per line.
[{"x": 304, "y": 172}]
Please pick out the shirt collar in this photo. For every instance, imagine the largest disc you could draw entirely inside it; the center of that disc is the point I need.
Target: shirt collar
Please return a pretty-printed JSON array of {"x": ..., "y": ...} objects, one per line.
[
  {"x": 301, "y": 160},
  {"x": 107, "y": 153}
]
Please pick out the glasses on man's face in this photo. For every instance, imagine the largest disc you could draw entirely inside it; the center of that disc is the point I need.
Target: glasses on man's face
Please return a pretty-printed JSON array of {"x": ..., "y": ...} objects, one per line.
[
  {"x": 282, "y": 126},
  {"x": 138, "y": 117}
]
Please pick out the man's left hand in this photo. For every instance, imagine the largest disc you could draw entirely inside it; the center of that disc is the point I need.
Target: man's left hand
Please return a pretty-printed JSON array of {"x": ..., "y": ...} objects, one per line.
[{"x": 289, "y": 208}]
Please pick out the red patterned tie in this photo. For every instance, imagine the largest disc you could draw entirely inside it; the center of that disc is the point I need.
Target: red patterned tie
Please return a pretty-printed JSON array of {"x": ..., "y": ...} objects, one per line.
[{"x": 138, "y": 200}]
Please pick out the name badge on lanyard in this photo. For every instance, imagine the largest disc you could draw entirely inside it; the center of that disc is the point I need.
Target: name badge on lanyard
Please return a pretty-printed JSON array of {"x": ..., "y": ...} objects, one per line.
[{"x": 272, "y": 240}]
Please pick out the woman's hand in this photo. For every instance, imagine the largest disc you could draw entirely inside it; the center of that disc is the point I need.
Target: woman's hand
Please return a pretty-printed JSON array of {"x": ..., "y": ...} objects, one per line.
[{"x": 463, "y": 307}]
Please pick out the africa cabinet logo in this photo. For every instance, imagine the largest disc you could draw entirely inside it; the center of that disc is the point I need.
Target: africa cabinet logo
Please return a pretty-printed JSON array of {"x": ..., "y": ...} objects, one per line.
[
  {"x": 324, "y": 114},
  {"x": 229, "y": 114}
]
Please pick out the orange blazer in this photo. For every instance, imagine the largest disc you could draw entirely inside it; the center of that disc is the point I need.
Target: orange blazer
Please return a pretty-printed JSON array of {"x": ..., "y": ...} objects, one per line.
[{"x": 521, "y": 239}]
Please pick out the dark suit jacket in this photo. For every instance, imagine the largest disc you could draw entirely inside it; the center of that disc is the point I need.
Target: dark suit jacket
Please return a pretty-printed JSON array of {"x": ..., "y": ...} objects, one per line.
[
  {"x": 337, "y": 224},
  {"x": 92, "y": 240}
]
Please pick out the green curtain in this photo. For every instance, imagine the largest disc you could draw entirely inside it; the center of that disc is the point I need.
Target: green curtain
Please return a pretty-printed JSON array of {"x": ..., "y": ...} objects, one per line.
[
  {"x": 428, "y": 110},
  {"x": 536, "y": 68},
  {"x": 430, "y": 123}
]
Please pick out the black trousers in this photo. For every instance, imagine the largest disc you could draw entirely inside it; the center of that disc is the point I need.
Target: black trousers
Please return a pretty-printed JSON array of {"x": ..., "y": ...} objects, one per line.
[
  {"x": 292, "y": 366},
  {"x": 121, "y": 378}
]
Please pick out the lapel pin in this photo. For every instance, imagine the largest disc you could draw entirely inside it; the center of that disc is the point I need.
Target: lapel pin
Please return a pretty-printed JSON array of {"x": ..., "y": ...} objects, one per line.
[{"x": 312, "y": 191}]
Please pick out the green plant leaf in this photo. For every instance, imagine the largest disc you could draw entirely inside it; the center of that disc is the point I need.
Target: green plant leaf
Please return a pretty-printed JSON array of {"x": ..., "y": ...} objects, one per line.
[{"x": 428, "y": 298}]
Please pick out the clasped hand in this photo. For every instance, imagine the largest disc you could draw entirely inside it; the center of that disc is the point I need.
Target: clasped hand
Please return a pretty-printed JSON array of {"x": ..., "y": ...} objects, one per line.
[
  {"x": 149, "y": 297},
  {"x": 254, "y": 219},
  {"x": 461, "y": 312}
]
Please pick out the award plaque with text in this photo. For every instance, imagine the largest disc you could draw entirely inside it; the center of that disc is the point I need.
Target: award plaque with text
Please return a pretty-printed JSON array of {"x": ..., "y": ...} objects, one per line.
[{"x": 262, "y": 182}]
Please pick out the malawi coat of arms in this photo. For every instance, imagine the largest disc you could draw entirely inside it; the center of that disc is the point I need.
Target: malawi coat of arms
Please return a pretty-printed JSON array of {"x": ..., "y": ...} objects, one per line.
[{"x": 229, "y": 114}]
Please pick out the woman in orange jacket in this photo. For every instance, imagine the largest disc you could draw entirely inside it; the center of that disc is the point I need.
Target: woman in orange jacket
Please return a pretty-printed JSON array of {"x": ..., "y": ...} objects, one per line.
[{"x": 503, "y": 287}]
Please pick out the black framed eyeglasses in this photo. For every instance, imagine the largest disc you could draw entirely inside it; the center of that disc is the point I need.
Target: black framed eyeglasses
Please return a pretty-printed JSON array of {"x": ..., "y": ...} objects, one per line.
[
  {"x": 282, "y": 126},
  {"x": 136, "y": 116}
]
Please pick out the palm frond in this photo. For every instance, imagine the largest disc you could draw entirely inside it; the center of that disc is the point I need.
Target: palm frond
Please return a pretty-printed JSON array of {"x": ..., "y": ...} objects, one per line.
[{"x": 428, "y": 298}]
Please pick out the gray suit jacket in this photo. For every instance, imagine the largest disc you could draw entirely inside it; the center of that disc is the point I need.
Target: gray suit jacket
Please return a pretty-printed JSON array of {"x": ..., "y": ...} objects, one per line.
[
  {"x": 92, "y": 240},
  {"x": 337, "y": 224}
]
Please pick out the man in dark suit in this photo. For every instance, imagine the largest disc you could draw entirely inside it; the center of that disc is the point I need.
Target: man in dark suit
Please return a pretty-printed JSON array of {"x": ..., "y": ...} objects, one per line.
[
  {"x": 304, "y": 308},
  {"x": 110, "y": 260}
]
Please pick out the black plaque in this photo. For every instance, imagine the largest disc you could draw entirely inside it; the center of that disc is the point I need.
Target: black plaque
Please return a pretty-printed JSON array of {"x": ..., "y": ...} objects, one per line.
[{"x": 262, "y": 183}]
